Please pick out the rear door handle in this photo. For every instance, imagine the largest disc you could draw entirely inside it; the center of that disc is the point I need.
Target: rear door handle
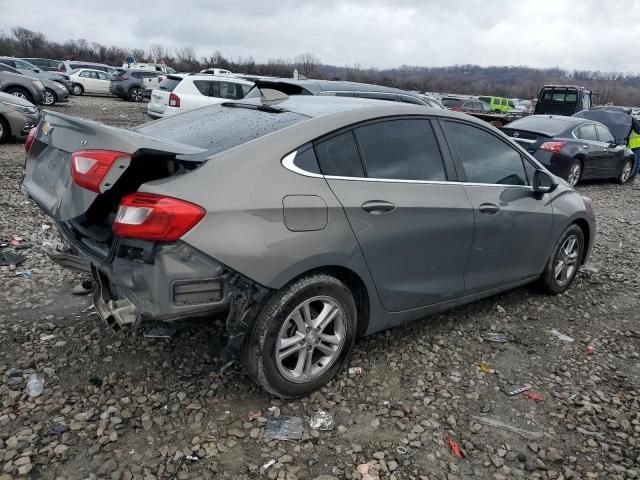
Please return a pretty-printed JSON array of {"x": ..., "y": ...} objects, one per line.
[
  {"x": 489, "y": 208},
  {"x": 378, "y": 207}
]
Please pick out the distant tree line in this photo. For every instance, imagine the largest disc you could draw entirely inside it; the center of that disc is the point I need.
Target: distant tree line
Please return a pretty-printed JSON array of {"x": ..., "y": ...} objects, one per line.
[{"x": 514, "y": 82}]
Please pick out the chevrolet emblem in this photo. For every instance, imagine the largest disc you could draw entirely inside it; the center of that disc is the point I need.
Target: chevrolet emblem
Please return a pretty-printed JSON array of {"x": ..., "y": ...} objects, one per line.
[{"x": 47, "y": 128}]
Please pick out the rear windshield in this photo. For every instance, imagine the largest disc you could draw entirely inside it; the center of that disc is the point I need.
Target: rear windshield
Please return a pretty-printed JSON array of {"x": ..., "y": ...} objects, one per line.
[
  {"x": 451, "y": 102},
  {"x": 170, "y": 83},
  {"x": 560, "y": 96},
  {"x": 543, "y": 125},
  {"x": 218, "y": 128}
]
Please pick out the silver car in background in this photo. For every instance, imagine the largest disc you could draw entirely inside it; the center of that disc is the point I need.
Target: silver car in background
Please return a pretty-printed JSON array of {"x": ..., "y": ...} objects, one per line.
[
  {"x": 17, "y": 117},
  {"x": 306, "y": 220}
]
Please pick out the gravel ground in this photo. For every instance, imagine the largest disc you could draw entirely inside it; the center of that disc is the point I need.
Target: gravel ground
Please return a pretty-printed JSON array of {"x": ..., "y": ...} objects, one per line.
[{"x": 116, "y": 407}]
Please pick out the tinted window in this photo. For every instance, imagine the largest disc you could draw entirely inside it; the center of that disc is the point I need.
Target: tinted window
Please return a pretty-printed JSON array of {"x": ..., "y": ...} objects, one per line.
[
  {"x": 306, "y": 160},
  {"x": 451, "y": 102},
  {"x": 8, "y": 61},
  {"x": 136, "y": 74},
  {"x": 203, "y": 86},
  {"x": 85, "y": 74},
  {"x": 587, "y": 132},
  {"x": 401, "y": 149},
  {"x": 604, "y": 134},
  {"x": 103, "y": 76},
  {"x": 338, "y": 156},
  {"x": 231, "y": 91},
  {"x": 485, "y": 99},
  {"x": 169, "y": 83},
  {"x": 484, "y": 157}
]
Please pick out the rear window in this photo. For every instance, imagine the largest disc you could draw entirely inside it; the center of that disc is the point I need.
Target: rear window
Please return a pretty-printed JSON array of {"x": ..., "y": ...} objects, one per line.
[
  {"x": 485, "y": 99},
  {"x": 218, "y": 128},
  {"x": 169, "y": 84},
  {"x": 451, "y": 102},
  {"x": 541, "y": 124},
  {"x": 560, "y": 96}
]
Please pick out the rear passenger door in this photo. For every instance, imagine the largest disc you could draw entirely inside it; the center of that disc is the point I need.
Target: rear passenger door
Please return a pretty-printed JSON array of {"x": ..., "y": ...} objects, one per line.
[
  {"x": 512, "y": 225},
  {"x": 415, "y": 228},
  {"x": 611, "y": 154}
]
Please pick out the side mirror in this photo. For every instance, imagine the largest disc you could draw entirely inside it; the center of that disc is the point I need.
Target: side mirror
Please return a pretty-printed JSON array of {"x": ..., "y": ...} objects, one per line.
[{"x": 543, "y": 182}]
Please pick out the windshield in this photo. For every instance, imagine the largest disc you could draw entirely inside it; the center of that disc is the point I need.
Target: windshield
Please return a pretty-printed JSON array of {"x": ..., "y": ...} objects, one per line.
[{"x": 562, "y": 96}]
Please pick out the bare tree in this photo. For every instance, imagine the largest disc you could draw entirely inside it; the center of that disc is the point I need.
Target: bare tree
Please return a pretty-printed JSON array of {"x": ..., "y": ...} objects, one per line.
[{"x": 308, "y": 63}]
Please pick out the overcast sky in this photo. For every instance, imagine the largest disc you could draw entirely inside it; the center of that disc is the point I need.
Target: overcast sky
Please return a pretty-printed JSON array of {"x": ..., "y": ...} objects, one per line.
[{"x": 584, "y": 34}]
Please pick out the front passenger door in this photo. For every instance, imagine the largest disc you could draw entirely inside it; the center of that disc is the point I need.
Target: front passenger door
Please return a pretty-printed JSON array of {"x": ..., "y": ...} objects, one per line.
[
  {"x": 512, "y": 225},
  {"x": 611, "y": 156}
]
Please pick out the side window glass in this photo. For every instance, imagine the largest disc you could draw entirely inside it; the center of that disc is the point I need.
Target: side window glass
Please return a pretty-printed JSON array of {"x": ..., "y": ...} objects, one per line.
[
  {"x": 401, "y": 149},
  {"x": 103, "y": 76},
  {"x": 246, "y": 89},
  {"x": 202, "y": 86},
  {"x": 587, "y": 132},
  {"x": 306, "y": 160},
  {"x": 338, "y": 156},
  {"x": 530, "y": 169},
  {"x": 94, "y": 75},
  {"x": 84, "y": 74},
  {"x": 484, "y": 157},
  {"x": 604, "y": 134}
]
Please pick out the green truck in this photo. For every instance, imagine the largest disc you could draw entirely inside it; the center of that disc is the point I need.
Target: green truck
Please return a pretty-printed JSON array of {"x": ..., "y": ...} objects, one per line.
[{"x": 498, "y": 104}]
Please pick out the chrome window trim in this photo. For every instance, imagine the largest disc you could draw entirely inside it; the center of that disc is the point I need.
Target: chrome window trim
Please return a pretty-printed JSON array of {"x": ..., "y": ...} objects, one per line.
[
  {"x": 288, "y": 163},
  {"x": 524, "y": 140}
]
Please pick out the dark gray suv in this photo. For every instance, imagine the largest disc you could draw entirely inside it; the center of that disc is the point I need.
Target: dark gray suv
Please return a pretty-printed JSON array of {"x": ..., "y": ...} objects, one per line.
[{"x": 307, "y": 221}]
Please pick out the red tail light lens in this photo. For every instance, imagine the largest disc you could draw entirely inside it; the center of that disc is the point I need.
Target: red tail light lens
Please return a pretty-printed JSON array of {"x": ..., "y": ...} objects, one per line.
[
  {"x": 174, "y": 100},
  {"x": 90, "y": 167},
  {"x": 148, "y": 216},
  {"x": 553, "y": 147},
  {"x": 30, "y": 138}
]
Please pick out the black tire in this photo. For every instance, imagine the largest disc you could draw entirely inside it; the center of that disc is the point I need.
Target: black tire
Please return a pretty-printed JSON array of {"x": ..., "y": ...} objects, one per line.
[
  {"x": 77, "y": 89},
  {"x": 549, "y": 281},
  {"x": 20, "y": 92},
  {"x": 5, "y": 130},
  {"x": 50, "y": 98},
  {"x": 136, "y": 95},
  {"x": 626, "y": 171},
  {"x": 259, "y": 350},
  {"x": 574, "y": 165}
]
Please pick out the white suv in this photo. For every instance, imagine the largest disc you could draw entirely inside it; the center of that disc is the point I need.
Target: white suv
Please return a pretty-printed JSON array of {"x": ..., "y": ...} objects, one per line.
[{"x": 182, "y": 92}]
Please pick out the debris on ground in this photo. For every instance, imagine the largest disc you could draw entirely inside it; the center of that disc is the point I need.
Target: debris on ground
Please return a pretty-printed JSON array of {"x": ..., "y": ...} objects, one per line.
[
  {"x": 267, "y": 466},
  {"x": 496, "y": 337},
  {"x": 590, "y": 350},
  {"x": 512, "y": 391},
  {"x": 159, "y": 332},
  {"x": 8, "y": 258},
  {"x": 533, "y": 396},
  {"x": 322, "y": 421},
  {"x": 356, "y": 371},
  {"x": 35, "y": 386},
  {"x": 492, "y": 422},
  {"x": 453, "y": 446},
  {"x": 84, "y": 288},
  {"x": 284, "y": 428},
  {"x": 561, "y": 336},
  {"x": 254, "y": 414}
]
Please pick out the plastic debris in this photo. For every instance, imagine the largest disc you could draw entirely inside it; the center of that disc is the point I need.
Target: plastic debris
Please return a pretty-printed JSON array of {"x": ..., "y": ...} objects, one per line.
[
  {"x": 193, "y": 458},
  {"x": 58, "y": 429},
  {"x": 590, "y": 350},
  {"x": 45, "y": 227},
  {"x": 35, "y": 385},
  {"x": 159, "y": 332},
  {"x": 267, "y": 466},
  {"x": 496, "y": 337},
  {"x": 561, "y": 336},
  {"x": 484, "y": 368},
  {"x": 455, "y": 449},
  {"x": 254, "y": 414},
  {"x": 24, "y": 274},
  {"x": 284, "y": 428},
  {"x": 492, "y": 422},
  {"x": 7, "y": 259},
  {"x": 402, "y": 450},
  {"x": 322, "y": 421},
  {"x": 533, "y": 396},
  {"x": 84, "y": 288},
  {"x": 511, "y": 391},
  {"x": 356, "y": 371}
]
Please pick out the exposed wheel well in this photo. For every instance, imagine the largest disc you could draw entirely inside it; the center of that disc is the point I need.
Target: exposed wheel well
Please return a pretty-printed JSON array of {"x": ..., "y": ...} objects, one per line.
[
  {"x": 353, "y": 281},
  {"x": 584, "y": 226}
]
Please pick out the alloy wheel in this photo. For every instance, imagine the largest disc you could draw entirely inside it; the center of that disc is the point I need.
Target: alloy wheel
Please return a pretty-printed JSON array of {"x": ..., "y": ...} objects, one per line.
[
  {"x": 136, "y": 95},
  {"x": 19, "y": 95},
  {"x": 626, "y": 172},
  {"x": 310, "y": 339},
  {"x": 574, "y": 174},
  {"x": 48, "y": 98},
  {"x": 77, "y": 90},
  {"x": 567, "y": 260}
]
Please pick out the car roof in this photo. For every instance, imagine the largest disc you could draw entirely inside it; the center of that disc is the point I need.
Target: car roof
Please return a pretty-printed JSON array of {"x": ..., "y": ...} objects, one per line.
[
  {"x": 88, "y": 70},
  {"x": 317, "y": 86},
  {"x": 209, "y": 76}
]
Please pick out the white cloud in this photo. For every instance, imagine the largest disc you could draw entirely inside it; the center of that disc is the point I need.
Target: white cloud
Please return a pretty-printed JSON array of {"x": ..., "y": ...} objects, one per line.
[{"x": 591, "y": 34}]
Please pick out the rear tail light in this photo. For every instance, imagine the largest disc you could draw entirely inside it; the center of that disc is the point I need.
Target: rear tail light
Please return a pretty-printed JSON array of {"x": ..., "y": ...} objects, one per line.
[
  {"x": 90, "y": 167},
  {"x": 148, "y": 216},
  {"x": 30, "y": 138},
  {"x": 174, "y": 100},
  {"x": 553, "y": 147}
]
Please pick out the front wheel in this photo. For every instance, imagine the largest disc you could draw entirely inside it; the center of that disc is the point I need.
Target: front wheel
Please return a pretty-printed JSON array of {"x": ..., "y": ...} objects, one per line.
[
  {"x": 20, "y": 93},
  {"x": 625, "y": 172},
  {"x": 302, "y": 336},
  {"x": 49, "y": 97},
  {"x": 135, "y": 95},
  {"x": 562, "y": 266},
  {"x": 77, "y": 89}
]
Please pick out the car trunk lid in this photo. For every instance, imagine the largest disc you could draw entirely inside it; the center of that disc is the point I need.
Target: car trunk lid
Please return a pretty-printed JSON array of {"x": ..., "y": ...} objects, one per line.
[{"x": 528, "y": 140}]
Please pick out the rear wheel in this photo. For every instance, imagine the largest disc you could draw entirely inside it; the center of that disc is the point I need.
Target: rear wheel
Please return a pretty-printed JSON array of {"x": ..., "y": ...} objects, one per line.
[
  {"x": 4, "y": 130},
  {"x": 625, "y": 172},
  {"x": 20, "y": 93},
  {"x": 564, "y": 262},
  {"x": 49, "y": 97},
  {"x": 77, "y": 89},
  {"x": 575, "y": 172},
  {"x": 135, "y": 95},
  {"x": 302, "y": 336}
]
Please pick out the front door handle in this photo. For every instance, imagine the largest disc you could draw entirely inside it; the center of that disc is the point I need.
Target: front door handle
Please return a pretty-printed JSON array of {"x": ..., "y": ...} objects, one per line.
[
  {"x": 378, "y": 207},
  {"x": 489, "y": 208}
]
